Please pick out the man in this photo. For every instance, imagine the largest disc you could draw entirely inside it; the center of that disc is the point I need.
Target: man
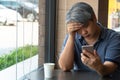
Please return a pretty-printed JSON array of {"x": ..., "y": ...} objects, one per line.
[{"x": 83, "y": 29}]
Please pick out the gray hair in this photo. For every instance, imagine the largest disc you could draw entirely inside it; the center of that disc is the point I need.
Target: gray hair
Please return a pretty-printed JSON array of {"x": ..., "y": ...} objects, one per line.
[{"x": 80, "y": 12}]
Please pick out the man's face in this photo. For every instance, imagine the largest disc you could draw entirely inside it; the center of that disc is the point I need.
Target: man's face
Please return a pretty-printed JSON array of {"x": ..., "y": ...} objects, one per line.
[{"x": 89, "y": 30}]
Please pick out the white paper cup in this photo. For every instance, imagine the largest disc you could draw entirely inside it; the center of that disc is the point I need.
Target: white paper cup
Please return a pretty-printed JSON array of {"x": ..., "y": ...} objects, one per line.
[{"x": 48, "y": 70}]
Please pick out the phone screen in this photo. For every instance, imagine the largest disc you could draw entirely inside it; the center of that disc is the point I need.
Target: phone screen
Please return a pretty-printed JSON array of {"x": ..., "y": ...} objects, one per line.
[{"x": 88, "y": 48}]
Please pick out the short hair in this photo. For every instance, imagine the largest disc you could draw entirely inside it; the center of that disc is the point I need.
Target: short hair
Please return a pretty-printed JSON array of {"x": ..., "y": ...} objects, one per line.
[{"x": 80, "y": 12}]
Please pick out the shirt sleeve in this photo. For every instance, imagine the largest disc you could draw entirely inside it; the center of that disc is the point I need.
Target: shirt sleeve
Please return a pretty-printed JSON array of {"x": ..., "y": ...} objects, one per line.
[{"x": 113, "y": 50}]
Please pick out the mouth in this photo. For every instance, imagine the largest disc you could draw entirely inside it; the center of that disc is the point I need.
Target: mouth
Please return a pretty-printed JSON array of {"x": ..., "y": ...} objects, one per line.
[{"x": 86, "y": 36}]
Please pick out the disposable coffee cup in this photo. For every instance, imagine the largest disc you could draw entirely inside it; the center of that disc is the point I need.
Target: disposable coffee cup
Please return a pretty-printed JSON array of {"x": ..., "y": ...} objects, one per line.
[{"x": 48, "y": 70}]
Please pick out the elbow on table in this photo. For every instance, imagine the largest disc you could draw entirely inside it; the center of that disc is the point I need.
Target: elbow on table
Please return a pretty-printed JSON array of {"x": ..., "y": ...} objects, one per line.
[{"x": 64, "y": 68}]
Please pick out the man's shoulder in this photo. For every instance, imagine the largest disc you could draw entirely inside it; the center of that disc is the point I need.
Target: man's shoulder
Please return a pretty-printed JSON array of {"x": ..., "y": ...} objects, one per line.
[
  {"x": 109, "y": 32},
  {"x": 109, "y": 35},
  {"x": 113, "y": 33}
]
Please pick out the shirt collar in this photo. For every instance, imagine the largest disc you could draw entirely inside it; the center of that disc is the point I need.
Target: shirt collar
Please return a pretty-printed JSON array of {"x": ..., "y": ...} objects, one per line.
[{"x": 102, "y": 31}]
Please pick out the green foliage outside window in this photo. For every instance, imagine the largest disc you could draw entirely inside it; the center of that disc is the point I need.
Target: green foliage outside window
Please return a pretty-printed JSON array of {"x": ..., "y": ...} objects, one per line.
[{"x": 17, "y": 55}]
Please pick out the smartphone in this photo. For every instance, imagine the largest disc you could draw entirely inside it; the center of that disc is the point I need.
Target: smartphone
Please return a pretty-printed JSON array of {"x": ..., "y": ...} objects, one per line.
[{"x": 88, "y": 48}]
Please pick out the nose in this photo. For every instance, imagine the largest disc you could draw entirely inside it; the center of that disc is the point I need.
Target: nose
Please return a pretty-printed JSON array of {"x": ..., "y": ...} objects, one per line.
[{"x": 84, "y": 32}]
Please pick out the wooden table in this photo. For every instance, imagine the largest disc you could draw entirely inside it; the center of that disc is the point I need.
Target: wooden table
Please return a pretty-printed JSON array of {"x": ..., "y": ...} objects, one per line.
[{"x": 73, "y": 75}]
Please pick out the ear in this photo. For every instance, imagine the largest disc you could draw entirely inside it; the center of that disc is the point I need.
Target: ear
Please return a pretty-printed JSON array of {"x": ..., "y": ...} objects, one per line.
[{"x": 94, "y": 18}]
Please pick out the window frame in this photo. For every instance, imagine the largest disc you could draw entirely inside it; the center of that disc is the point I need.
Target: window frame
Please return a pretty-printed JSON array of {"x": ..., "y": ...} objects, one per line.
[{"x": 50, "y": 24}]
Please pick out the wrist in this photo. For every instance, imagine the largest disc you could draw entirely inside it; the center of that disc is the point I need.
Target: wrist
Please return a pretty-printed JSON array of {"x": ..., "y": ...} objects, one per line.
[
  {"x": 101, "y": 70},
  {"x": 71, "y": 37}
]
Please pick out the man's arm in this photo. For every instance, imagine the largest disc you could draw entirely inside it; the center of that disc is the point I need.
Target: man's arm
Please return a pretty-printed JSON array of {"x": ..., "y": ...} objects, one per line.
[
  {"x": 66, "y": 59},
  {"x": 106, "y": 68}
]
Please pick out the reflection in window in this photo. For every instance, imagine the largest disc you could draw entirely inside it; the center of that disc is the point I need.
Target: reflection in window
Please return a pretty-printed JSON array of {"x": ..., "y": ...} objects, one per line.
[{"x": 19, "y": 41}]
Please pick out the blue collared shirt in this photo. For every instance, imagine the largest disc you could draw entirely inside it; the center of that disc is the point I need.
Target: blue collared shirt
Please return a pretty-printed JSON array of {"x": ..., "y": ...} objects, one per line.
[{"x": 107, "y": 47}]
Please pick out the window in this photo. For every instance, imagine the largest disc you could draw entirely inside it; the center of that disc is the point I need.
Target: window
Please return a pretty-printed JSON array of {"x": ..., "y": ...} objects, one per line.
[
  {"x": 114, "y": 15},
  {"x": 22, "y": 36},
  {"x": 19, "y": 39}
]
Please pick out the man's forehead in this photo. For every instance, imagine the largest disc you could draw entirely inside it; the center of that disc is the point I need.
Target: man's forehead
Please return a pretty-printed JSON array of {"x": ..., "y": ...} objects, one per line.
[{"x": 75, "y": 22}]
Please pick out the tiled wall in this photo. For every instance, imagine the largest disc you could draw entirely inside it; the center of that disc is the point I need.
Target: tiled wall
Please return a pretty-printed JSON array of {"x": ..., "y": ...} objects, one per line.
[{"x": 41, "y": 31}]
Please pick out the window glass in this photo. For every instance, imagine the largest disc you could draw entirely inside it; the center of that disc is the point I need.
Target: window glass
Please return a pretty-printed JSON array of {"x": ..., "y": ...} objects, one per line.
[
  {"x": 114, "y": 15},
  {"x": 19, "y": 39}
]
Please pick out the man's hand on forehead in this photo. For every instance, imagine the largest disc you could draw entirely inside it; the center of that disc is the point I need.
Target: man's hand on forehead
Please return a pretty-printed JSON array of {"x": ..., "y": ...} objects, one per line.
[{"x": 76, "y": 24}]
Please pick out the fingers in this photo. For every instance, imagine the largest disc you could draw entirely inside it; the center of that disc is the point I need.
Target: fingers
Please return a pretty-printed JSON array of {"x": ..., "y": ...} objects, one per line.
[
  {"x": 90, "y": 59},
  {"x": 84, "y": 59},
  {"x": 73, "y": 27},
  {"x": 95, "y": 53},
  {"x": 88, "y": 54}
]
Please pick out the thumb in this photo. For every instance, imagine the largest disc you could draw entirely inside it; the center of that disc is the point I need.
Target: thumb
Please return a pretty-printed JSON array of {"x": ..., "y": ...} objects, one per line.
[{"x": 95, "y": 53}]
